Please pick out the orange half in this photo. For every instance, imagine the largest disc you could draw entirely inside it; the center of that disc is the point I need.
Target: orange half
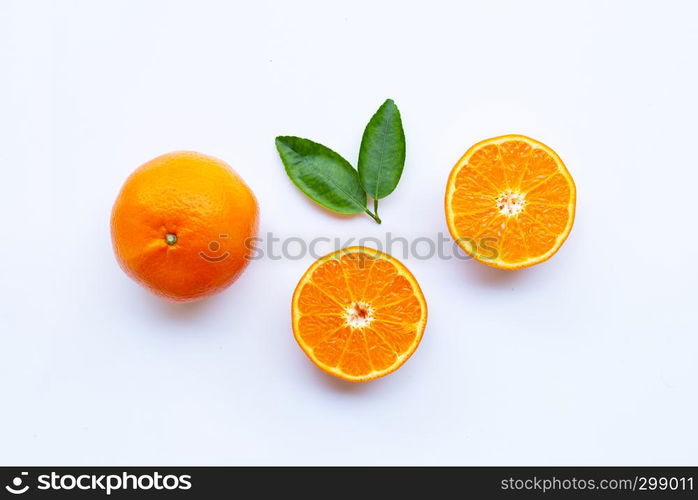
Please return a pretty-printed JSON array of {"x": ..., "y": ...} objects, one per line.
[
  {"x": 510, "y": 202},
  {"x": 358, "y": 314}
]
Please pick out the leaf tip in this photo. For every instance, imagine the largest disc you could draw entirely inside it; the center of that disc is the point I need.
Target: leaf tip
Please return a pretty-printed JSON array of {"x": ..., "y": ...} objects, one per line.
[
  {"x": 389, "y": 103},
  {"x": 283, "y": 142}
]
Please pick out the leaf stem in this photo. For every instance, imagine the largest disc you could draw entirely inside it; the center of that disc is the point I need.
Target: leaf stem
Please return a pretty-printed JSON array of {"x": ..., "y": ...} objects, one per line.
[
  {"x": 375, "y": 206},
  {"x": 373, "y": 216}
]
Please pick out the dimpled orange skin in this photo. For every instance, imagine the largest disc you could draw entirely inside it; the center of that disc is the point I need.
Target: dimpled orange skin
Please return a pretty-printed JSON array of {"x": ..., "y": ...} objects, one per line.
[{"x": 208, "y": 208}]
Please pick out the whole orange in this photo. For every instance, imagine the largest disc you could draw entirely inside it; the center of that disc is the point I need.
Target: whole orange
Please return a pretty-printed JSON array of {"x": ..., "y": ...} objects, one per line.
[{"x": 183, "y": 225}]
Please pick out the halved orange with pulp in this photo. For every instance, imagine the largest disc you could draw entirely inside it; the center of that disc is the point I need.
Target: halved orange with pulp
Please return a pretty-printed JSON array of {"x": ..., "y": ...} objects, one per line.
[
  {"x": 358, "y": 314},
  {"x": 510, "y": 202}
]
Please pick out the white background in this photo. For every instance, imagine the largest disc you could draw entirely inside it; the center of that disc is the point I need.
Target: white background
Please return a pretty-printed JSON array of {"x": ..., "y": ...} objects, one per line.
[{"x": 590, "y": 358}]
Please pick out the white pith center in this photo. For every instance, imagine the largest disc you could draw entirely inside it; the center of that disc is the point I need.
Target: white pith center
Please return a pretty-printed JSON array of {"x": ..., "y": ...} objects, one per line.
[
  {"x": 358, "y": 315},
  {"x": 511, "y": 203}
]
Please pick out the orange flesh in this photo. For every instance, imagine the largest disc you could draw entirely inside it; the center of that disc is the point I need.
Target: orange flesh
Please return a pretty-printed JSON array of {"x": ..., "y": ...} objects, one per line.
[
  {"x": 510, "y": 202},
  {"x": 358, "y": 314}
]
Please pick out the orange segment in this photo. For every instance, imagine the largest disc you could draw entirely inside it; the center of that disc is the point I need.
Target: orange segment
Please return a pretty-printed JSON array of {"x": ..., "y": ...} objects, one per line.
[
  {"x": 358, "y": 314},
  {"x": 355, "y": 361},
  {"x": 330, "y": 350},
  {"x": 510, "y": 202},
  {"x": 357, "y": 268},
  {"x": 330, "y": 279},
  {"x": 316, "y": 328},
  {"x": 314, "y": 300},
  {"x": 381, "y": 354}
]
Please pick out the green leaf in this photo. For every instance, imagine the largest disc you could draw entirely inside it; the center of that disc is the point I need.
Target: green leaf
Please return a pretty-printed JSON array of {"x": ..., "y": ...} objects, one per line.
[
  {"x": 322, "y": 174},
  {"x": 382, "y": 154}
]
